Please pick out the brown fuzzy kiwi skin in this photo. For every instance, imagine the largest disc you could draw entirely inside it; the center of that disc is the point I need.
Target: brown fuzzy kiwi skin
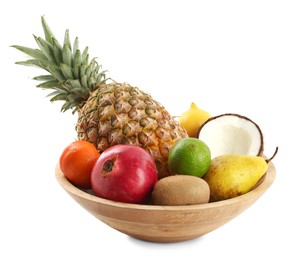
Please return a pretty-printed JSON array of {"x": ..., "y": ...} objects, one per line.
[
  {"x": 261, "y": 149},
  {"x": 179, "y": 190}
]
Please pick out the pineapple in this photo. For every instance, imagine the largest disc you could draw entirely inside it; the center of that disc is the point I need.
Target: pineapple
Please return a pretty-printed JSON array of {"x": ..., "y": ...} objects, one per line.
[{"x": 109, "y": 113}]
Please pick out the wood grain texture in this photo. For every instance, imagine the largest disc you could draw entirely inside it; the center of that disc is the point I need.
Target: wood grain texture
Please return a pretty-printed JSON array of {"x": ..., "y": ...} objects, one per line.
[{"x": 166, "y": 223}]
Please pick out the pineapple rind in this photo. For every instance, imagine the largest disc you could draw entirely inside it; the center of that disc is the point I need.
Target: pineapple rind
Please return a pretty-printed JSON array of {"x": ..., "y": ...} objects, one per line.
[{"x": 117, "y": 113}]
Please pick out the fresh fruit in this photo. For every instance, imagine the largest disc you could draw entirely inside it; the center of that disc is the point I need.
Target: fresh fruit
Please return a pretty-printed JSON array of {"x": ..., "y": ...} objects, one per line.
[
  {"x": 108, "y": 113},
  {"x": 192, "y": 119},
  {"x": 77, "y": 161},
  {"x": 180, "y": 190},
  {"x": 232, "y": 134},
  {"x": 124, "y": 173},
  {"x": 232, "y": 175},
  {"x": 189, "y": 156}
]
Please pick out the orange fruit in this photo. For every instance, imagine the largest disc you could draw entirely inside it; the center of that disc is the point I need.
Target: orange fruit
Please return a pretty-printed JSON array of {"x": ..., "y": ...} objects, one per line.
[
  {"x": 77, "y": 161},
  {"x": 189, "y": 156}
]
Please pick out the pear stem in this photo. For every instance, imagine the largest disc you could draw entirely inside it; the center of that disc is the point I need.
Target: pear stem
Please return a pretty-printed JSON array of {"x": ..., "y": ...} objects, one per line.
[{"x": 276, "y": 151}]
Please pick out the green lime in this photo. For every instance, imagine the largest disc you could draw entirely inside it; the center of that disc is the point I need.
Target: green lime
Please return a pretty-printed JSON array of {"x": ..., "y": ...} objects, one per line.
[{"x": 189, "y": 156}]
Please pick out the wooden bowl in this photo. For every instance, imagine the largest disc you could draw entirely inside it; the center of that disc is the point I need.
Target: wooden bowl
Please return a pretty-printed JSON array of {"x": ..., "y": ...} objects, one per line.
[{"x": 166, "y": 223}]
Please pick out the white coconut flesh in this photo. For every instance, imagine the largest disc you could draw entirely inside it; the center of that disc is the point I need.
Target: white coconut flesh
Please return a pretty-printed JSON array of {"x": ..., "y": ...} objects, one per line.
[{"x": 232, "y": 134}]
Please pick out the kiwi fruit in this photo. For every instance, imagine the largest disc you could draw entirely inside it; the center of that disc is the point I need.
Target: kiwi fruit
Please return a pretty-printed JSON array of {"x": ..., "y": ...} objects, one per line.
[{"x": 178, "y": 190}]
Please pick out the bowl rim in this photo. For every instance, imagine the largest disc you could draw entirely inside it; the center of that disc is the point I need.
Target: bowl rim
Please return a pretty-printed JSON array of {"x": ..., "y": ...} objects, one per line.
[{"x": 263, "y": 184}]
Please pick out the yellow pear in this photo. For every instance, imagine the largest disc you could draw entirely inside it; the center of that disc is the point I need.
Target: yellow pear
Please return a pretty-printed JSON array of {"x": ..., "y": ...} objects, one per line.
[{"x": 231, "y": 175}]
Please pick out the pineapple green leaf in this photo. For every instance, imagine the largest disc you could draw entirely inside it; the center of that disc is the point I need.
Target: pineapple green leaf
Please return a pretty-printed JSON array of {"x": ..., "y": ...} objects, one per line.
[
  {"x": 82, "y": 70},
  {"x": 67, "y": 55},
  {"x": 84, "y": 56},
  {"x": 98, "y": 67},
  {"x": 47, "y": 31},
  {"x": 75, "y": 83},
  {"x": 44, "y": 78},
  {"x": 75, "y": 46},
  {"x": 67, "y": 39},
  {"x": 85, "y": 61},
  {"x": 76, "y": 72},
  {"x": 63, "y": 87},
  {"x": 67, "y": 105},
  {"x": 46, "y": 48},
  {"x": 57, "y": 92},
  {"x": 101, "y": 77},
  {"x": 72, "y": 98},
  {"x": 77, "y": 93},
  {"x": 43, "y": 64},
  {"x": 77, "y": 59},
  {"x": 57, "y": 49},
  {"x": 84, "y": 81},
  {"x": 48, "y": 84},
  {"x": 34, "y": 53},
  {"x": 56, "y": 72},
  {"x": 91, "y": 83},
  {"x": 89, "y": 69},
  {"x": 67, "y": 71},
  {"x": 58, "y": 97}
]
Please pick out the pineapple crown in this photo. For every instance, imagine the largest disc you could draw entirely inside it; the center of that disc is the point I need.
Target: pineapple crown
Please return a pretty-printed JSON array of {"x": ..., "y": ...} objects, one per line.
[{"x": 72, "y": 75}]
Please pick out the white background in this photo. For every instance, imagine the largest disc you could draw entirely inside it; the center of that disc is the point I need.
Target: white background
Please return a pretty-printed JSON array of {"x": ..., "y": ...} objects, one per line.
[{"x": 226, "y": 56}]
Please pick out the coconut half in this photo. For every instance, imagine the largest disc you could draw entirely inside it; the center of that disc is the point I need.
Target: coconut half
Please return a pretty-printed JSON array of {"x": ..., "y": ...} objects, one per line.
[{"x": 232, "y": 134}]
